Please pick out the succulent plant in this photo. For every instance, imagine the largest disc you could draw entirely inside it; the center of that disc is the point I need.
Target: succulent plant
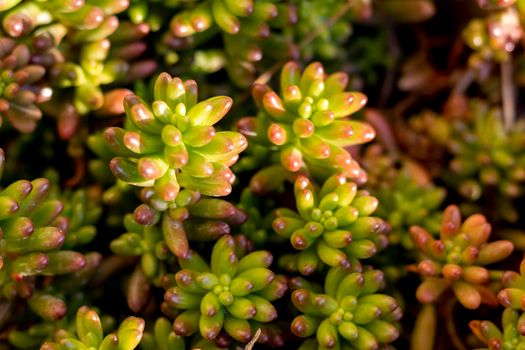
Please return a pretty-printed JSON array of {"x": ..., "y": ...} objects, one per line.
[
  {"x": 205, "y": 219},
  {"x": 151, "y": 201},
  {"x": 21, "y": 86},
  {"x": 407, "y": 204},
  {"x": 89, "y": 334},
  {"x": 38, "y": 333},
  {"x": 233, "y": 293},
  {"x": 456, "y": 260},
  {"x": 174, "y": 144},
  {"x": 84, "y": 18},
  {"x": 108, "y": 56},
  {"x": 332, "y": 225},
  {"x": 350, "y": 314},
  {"x": 493, "y": 37},
  {"x": 306, "y": 125},
  {"x": 32, "y": 234},
  {"x": 423, "y": 137},
  {"x": 243, "y": 24},
  {"x": 406, "y": 193},
  {"x": 81, "y": 210},
  {"x": 486, "y": 156},
  {"x": 145, "y": 241},
  {"x": 50, "y": 302},
  {"x": 73, "y": 40},
  {"x": 512, "y": 335}
]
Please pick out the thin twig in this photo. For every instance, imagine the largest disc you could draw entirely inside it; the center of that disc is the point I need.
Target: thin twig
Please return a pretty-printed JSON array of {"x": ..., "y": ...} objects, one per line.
[
  {"x": 507, "y": 93},
  {"x": 462, "y": 84},
  {"x": 256, "y": 336},
  {"x": 80, "y": 172},
  {"x": 391, "y": 72}
]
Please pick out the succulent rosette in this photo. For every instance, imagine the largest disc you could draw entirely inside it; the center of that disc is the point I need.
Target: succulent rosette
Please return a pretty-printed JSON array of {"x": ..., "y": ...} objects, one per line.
[
  {"x": 457, "y": 259},
  {"x": 306, "y": 125},
  {"x": 174, "y": 144},
  {"x": 332, "y": 225},
  {"x": 89, "y": 334},
  {"x": 350, "y": 314},
  {"x": 233, "y": 293},
  {"x": 486, "y": 156},
  {"x": 409, "y": 204},
  {"x": 511, "y": 335}
]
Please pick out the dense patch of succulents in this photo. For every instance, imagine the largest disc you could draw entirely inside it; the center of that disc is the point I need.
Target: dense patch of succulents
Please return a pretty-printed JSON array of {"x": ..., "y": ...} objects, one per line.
[{"x": 145, "y": 201}]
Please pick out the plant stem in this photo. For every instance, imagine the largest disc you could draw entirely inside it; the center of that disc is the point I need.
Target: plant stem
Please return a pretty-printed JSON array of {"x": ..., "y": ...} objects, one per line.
[
  {"x": 507, "y": 93},
  {"x": 450, "y": 322}
]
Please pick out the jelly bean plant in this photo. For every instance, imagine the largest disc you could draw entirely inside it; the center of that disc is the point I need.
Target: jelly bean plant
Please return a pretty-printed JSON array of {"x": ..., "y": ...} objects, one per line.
[{"x": 262, "y": 174}]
